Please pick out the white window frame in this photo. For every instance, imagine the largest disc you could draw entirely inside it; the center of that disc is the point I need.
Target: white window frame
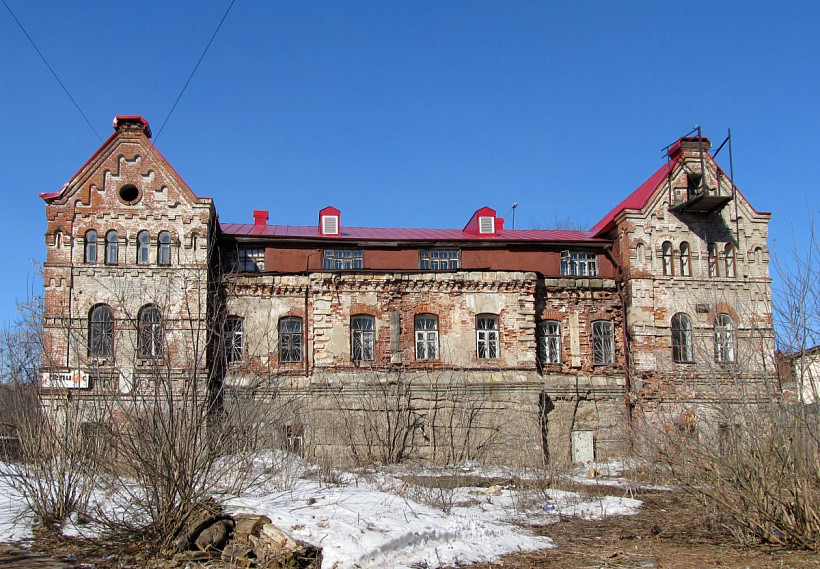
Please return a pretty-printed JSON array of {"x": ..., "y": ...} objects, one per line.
[
  {"x": 439, "y": 259},
  {"x": 362, "y": 338},
  {"x": 549, "y": 342},
  {"x": 579, "y": 264},
  {"x": 487, "y": 336},
  {"x": 343, "y": 259},
  {"x": 426, "y": 329},
  {"x": 724, "y": 338},
  {"x": 603, "y": 342}
]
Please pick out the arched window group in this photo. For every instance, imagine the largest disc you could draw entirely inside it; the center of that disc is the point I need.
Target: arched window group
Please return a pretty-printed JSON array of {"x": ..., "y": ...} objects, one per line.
[
  {"x": 684, "y": 259},
  {"x": 143, "y": 247},
  {"x": 101, "y": 331},
  {"x": 682, "y": 338}
]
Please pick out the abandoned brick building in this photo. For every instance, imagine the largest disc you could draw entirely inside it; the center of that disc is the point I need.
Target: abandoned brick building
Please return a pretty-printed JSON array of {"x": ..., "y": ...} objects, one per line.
[{"x": 526, "y": 340}]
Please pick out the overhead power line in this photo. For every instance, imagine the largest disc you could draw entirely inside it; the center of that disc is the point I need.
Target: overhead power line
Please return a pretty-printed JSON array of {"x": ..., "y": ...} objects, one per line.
[
  {"x": 201, "y": 57},
  {"x": 54, "y": 73}
]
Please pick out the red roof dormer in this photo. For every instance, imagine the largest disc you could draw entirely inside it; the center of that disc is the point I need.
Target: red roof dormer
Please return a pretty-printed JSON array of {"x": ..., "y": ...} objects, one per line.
[
  {"x": 484, "y": 222},
  {"x": 329, "y": 221}
]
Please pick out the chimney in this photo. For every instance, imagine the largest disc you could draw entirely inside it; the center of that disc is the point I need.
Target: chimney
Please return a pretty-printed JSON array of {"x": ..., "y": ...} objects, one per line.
[
  {"x": 260, "y": 217},
  {"x": 689, "y": 147},
  {"x": 132, "y": 124}
]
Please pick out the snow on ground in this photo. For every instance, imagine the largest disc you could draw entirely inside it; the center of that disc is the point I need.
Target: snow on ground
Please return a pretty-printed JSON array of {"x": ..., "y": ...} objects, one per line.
[
  {"x": 15, "y": 522},
  {"x": 379, "y": 518}
]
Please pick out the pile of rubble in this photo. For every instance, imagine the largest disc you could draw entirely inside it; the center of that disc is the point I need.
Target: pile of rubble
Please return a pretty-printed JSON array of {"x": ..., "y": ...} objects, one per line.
[{"x": 243, "y": 540}]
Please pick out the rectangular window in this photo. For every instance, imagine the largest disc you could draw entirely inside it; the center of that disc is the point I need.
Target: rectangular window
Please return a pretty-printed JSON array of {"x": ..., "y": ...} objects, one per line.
[
  {"x": 549, "y": 342},
  {"x": 487, "y": 336},
  {"x": 603, "y": 340},
  {"x": 426, "y": 337},
  {"x": 290, "y": 339},
  {"x": 343, "y": 259},
  {"x": 362, "y": 338},
  {"x": 245, "y": 261},
  {"x": 438, "y": 259},
  {"x": 579, "y": 264}
]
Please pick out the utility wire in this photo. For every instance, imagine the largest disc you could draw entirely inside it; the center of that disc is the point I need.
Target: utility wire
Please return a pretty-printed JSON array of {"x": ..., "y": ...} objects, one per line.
[
  {"x": 201, "y": 57},
  {"x": 88, "y": 122}
]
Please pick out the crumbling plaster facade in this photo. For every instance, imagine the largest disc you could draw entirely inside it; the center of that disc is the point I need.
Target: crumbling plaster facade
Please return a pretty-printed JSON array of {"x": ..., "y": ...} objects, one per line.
[{"x": 524, "y": 403}]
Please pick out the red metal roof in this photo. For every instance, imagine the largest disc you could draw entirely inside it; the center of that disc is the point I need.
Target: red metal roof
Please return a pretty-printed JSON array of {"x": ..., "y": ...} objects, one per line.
[
  {"x": 637, "y": 199},
  {"x": 400, "y": 234}
]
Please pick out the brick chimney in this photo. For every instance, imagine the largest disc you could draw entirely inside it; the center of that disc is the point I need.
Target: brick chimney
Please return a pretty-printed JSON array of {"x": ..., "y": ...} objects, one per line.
[
  {"x": 689, "y": 147},
  {"x": 132, "y": 124}
]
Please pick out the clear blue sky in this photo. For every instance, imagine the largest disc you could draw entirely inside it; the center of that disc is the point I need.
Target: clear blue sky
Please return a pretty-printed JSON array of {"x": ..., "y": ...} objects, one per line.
[{"x": 410, "y": 114}]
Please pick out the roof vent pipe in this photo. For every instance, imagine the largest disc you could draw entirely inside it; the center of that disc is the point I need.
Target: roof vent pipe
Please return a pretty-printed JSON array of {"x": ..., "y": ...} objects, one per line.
[{"x": 260, "y": 217}]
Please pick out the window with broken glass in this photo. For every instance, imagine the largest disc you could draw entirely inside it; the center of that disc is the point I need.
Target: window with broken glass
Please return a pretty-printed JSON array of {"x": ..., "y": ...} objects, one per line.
[
  {"x": 426, "y": 337},
  {"x": 603, "y": 342},
  {"x": 362, "y": 338},
  {"x": 438, "y": 259},
  {"x": 579, "y": 264},
  {"x": 724, "y": 338},
  {"x": 342, "y": 259},
  {"x": 487, "y": 336}
]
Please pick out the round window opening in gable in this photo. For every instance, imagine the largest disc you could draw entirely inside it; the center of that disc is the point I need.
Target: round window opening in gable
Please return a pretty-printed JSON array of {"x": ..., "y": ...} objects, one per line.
[{"x": 129, "y": 193}]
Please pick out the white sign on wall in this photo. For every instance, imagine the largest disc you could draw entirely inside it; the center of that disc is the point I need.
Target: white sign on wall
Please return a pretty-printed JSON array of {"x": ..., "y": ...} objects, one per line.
[{"x": 65, "y": 380}]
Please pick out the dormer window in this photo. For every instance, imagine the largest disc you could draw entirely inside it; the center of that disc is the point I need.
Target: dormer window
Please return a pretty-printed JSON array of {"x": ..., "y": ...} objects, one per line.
[
  {"x": 329, "y": 221},
  {"x": 486, "y": 224}
]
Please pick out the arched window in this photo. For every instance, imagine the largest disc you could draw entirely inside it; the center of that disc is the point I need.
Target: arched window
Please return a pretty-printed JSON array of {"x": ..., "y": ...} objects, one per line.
[
  {"x": 58, "y": 239},
  {"x": 758, "y": 255},
  {"x": 487, "y": 336},
  {"x": 149, "y": 332},
  {"x": 685, "y": 260},
  {"x": 290, "y": 339},
  {"x": 603, "y": 342},
  {"x": 724, "y": 338},
  {"x": 362, "y": 338},
  {"x": 143, "y": 248},
  {"x": 549, "y": 342},
  {"x": 232, "y": 335},
  {"x": 729, "y": 259},
  {"x": 90, "y": 246},
  {"x": 426, "y": 328},
  {"x": 164, "y": 248},
  {"x": 681, "y": 338},
  {"x": 100, "y": 331},
  {"x": 713, "y": 260},
  {"x": 666, "y": 258},
  {"x": 111, "y": 248}
]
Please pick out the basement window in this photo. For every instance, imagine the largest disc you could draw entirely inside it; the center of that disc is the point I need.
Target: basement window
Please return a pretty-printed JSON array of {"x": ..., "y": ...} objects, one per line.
[
  {"x": 438, "y": 259},
  {"x": 579, "y": 264},
  {"x": 343, "y": 259}
]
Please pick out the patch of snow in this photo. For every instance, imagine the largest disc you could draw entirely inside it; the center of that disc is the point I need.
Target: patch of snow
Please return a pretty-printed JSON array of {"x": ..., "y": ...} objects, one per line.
[{"x": 15, "y": 520}]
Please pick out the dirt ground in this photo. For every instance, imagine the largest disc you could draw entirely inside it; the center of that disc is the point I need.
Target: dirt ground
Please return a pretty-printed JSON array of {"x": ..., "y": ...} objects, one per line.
[{"x": 671, "y": 531}]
